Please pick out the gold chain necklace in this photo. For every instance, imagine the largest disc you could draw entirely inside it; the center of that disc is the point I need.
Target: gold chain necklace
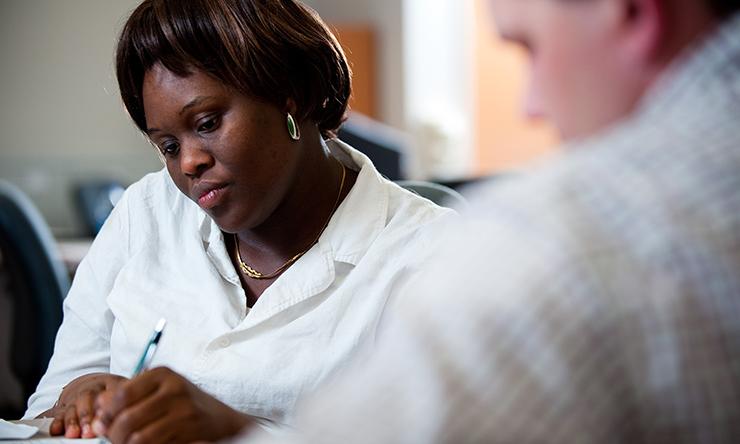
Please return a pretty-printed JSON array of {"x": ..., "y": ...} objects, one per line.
[{"x": 254, "y": 274}]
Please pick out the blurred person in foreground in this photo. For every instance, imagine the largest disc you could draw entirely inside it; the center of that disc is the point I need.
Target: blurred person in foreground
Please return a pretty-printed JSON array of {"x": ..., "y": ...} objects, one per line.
[
  {"x": 596, "y": 298},
  {"x": 271, "y": 247}
]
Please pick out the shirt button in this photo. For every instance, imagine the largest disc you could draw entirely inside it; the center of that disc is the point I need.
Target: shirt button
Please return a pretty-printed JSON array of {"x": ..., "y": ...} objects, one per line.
[{"x": 224, "y": 342}]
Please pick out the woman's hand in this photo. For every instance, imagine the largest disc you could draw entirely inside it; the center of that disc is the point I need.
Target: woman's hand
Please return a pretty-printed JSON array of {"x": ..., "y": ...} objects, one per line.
[
  {"x": 161, "y": 406},
  {"x": 73, "y": 411}
]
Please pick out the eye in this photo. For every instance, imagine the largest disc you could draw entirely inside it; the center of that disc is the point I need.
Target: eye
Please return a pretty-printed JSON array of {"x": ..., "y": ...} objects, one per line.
[
  {"x": 208, "y": 124},
  {"x": 170, "y": 148}
]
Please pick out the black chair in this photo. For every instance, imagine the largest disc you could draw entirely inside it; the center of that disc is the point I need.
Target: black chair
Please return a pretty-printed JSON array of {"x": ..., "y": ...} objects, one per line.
[{"x": 38, "y": 283}]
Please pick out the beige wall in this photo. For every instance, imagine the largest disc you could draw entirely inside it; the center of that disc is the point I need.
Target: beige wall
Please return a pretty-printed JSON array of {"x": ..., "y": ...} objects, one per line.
[
  {"x": 61, "y": 119},
  {"x": 385, "y": 17}
]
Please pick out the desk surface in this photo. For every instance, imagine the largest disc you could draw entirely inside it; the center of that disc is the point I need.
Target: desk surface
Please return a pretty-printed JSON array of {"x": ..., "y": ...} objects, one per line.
[{"x": 42, "y": 436}]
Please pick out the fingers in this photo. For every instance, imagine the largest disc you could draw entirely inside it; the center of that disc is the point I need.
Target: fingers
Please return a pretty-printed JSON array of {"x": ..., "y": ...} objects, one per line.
[
  {"x": 113, "y": 381},
  {"x": 102, "y": 417},
  {"x": 161, "y": 430},
  {"x": 111, "y": 403},
  {"x": 84, "y": 407},
  {"x": 80, "y": 394},
  {"x": 130, "y": 392},
  {"x": 136, "y": 418},
  {"x": 57, "y": 425},
  {"x": 71, "y": 422}
]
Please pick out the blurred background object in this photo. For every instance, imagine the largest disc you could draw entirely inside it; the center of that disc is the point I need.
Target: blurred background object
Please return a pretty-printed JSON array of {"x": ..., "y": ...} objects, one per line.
[
  {"x": 436, "y": 97},
  {"x": 428, "y": 65},
  {"x": 33, "y": 283},
  {"x": 96, "y": 199},
  {"x": 62, "y": 121},
  {"x": 388, "y": 148}
]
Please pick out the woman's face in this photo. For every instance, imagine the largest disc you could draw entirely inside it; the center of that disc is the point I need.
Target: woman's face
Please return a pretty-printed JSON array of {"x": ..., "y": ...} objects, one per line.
[{"x": 230, "y": 154}]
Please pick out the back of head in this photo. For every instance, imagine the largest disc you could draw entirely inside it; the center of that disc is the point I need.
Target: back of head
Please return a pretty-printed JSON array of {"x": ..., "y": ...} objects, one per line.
[{"x": 270, "y": 50}]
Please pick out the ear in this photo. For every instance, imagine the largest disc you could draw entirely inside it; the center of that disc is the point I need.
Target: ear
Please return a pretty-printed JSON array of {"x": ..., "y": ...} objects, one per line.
[
  {"x": 643, "y": 29},
  {"x": 290, "y": 107}
]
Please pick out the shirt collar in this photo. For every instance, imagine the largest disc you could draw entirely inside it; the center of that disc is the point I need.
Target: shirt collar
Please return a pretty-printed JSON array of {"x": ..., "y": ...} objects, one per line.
[
  {"x": 362, "y": 215},
  {"x": 365, "y": 210},
  {"x": 353, "y": 228}
]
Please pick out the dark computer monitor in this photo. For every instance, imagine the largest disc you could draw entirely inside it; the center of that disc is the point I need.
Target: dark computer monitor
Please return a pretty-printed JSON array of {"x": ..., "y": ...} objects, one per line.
[{"x": 385, "y": 146}]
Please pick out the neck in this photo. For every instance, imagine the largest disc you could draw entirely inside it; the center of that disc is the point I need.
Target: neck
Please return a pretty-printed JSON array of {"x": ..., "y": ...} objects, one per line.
[{"x": 304, "y": 212}]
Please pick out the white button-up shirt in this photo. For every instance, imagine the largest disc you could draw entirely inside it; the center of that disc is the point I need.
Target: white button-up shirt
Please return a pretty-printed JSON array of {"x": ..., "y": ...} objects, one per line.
[{"x": 159, "y": 255}]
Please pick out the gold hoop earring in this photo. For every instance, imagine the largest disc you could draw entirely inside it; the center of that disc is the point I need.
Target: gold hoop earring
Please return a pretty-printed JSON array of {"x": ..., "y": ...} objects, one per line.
[{"x": 293, "y": 130}]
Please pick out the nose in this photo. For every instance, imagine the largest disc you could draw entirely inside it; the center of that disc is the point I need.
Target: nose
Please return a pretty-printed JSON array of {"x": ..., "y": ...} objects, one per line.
[
  {"x": 194, "y": 159},
  {"x": 532, "y": 105}
]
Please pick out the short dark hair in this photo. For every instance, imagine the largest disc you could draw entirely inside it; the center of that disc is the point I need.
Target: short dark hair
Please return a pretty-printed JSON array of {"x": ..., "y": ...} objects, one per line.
[
  {"x": 271, "y": 50},
  {"x": 724, "y": 8}
]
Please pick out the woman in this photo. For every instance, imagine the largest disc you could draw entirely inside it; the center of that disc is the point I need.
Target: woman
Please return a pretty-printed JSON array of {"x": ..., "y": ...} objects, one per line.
[{"x": 270, "y": 252}]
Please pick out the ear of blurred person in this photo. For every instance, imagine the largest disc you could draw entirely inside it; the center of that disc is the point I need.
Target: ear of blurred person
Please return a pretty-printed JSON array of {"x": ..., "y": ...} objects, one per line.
[{"x": 593, "y": 298}]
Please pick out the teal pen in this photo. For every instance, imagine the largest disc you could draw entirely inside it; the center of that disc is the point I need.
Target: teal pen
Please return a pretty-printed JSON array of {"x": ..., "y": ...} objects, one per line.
[{"x": 151, "y": 347}]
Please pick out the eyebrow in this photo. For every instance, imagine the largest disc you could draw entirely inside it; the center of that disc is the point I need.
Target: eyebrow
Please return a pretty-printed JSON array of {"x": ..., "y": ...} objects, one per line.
[{"x": 195, "y": 102}]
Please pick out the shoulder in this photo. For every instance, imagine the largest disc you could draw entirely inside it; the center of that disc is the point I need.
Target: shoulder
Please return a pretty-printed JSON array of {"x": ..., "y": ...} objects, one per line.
[
  {"x": 598, "y": 197},
  {"x": 398, "y": 215},
  {"x": 406, "y": 207},
  {"x": 608, "y": 213},
  {"x": 523, "y": 244},
  {"x": 411, "y": 224}
]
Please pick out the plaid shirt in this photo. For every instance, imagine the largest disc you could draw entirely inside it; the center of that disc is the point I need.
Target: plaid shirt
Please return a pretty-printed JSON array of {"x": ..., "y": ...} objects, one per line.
[{"x": 594, "y": 299}]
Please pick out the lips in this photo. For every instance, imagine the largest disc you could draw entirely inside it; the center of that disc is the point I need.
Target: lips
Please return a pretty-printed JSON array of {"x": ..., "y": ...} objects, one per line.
[{"x": 210, "y": 194}]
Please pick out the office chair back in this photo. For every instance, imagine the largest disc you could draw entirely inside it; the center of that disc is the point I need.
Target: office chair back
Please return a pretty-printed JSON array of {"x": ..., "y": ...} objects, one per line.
[
  {"x": 38, "y": 284},
  {"x": 439, "y": 194}
]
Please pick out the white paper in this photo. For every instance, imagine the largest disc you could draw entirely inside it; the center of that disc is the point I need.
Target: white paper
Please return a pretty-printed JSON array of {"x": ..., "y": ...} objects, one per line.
[
  {"x": 8, "y": 430},
  {"x": 42, "y": 437}
]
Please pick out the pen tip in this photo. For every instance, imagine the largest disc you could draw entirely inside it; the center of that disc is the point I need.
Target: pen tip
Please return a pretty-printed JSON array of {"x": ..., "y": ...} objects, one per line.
[{"x": 160, "y": 325}]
